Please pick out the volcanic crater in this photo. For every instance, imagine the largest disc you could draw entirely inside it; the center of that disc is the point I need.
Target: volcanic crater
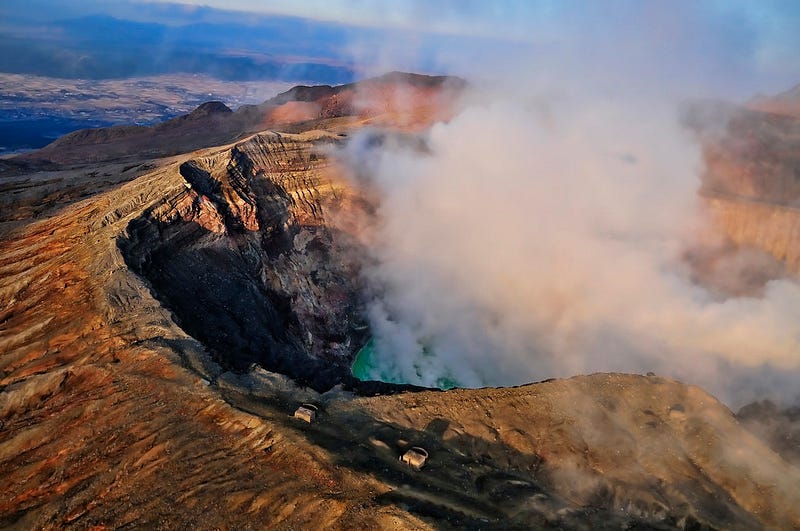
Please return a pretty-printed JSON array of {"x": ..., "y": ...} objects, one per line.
[
  {"x": 160, "y": 326},
  {"x": 246, "y": 261}
]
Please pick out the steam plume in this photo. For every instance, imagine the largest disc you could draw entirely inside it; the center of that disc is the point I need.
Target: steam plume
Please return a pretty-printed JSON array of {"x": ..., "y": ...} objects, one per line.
[
  {"x": 542, "y": 232},
  {"x": 522, "y": 245}
]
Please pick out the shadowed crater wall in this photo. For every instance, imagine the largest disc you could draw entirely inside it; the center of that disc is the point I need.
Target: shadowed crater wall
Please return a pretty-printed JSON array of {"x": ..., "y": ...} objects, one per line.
[{"x": 248, "y": 263}]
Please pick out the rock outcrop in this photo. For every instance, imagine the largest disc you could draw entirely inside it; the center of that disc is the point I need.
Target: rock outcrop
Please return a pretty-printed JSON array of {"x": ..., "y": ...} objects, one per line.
[
  {"x": 752, "y": 176},
  {"x": 770, "y": 227},
  {"x": 250, "y": 261}
]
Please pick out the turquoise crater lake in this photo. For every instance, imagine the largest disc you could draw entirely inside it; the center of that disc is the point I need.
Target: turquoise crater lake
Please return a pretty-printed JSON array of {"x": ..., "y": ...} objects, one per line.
[{"x": 370, "y": 365}]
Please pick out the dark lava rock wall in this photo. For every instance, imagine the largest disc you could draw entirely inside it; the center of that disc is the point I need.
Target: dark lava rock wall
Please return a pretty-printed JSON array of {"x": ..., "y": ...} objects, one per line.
[{"x": 250, "y": 264}]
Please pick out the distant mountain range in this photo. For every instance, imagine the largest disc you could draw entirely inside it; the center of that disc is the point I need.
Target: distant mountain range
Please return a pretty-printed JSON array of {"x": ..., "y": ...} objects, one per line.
[
  {"x": 102, "y": 47},
  {"x": 376, "y": 100}
]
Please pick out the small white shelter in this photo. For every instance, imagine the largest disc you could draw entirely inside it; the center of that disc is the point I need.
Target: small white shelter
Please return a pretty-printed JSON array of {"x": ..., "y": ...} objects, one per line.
[
  {"x": 306, "y": 412},
  {"x": 415, "y": 457}
]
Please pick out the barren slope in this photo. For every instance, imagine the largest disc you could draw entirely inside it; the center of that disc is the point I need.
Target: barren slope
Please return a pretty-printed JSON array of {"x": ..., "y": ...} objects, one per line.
[{"x": 102, "y": 421}]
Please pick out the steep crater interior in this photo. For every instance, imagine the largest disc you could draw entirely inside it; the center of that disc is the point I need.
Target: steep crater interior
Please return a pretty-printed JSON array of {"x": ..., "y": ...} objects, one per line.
[
  {"x": 258, "y": 255},
  {"x": 251, "y": 263}
]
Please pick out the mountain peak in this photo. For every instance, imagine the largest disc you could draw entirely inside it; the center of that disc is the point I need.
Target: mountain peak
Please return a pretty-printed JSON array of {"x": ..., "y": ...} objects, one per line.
[{"x": 208, "y": 108}]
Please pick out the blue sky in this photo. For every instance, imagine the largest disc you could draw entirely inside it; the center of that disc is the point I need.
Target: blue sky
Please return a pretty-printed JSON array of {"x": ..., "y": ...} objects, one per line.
[
  {"x": 732, "y": 46},
  {"x": 729, "y": 48},
  {"x": 515, "y": 18}
]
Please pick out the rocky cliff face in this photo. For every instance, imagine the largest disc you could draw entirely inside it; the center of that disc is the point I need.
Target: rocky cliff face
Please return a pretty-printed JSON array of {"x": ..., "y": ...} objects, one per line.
[
  {"x": 748, "y": 154},
  {"x": 248, "y": 262},
  {"x": 772, "y": 228},
  {"x": 752, "y": 177}
]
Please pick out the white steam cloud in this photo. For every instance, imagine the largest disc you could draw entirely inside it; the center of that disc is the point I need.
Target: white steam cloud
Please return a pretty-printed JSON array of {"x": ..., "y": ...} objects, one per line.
[
  {"x": 543, "y": 231},
  {"x": 530, "y": 241}
]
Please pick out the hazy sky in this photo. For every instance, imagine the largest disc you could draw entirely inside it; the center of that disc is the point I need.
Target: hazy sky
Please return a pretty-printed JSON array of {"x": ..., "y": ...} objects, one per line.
[
  {"x": 717, "y": 48},
  {"x": 744, "y": 45},
  {"x": 516, "y": 18}
]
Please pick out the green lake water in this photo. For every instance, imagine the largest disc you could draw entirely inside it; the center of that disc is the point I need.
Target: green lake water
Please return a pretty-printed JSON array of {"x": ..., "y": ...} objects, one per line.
[{"x": 367, "y": 366}]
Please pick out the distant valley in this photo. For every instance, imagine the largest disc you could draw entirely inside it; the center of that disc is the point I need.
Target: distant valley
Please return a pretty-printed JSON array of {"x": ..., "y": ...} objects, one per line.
[{"x": 35, "y": 110}]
